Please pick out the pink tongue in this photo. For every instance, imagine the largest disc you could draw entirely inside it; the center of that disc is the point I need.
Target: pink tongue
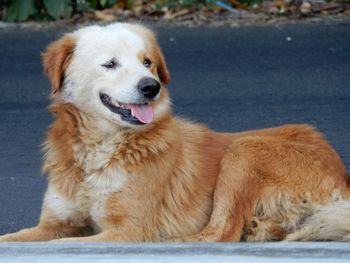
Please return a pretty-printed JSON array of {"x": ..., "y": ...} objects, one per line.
[{"x": 143, "y": 112}]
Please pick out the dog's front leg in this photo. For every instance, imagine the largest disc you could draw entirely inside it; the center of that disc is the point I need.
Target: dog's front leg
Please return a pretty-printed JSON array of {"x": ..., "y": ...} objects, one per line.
[
  {"x": 49, "y": 228},
  {"x": 105, "y": 236},
  {"x": 29, "y": 234},
  {"x": 42, "y": 232},
  {"x": 55, "y": 222}
]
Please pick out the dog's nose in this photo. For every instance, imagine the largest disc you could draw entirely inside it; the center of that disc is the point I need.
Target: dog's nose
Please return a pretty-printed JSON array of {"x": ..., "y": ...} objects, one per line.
[{"x": 149, "y": 87}]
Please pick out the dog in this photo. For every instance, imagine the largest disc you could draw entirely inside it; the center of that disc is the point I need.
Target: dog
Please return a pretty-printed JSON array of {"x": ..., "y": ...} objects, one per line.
[{"x": 122, "y": 168}]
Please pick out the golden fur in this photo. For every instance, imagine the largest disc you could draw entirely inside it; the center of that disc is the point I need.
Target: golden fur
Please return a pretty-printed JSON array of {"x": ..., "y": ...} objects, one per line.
[{"x": 179, "y": 181}]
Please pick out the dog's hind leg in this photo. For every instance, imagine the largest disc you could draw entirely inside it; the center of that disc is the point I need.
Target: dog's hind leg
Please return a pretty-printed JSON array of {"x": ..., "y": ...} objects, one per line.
[{"x": 233, "y": 201}]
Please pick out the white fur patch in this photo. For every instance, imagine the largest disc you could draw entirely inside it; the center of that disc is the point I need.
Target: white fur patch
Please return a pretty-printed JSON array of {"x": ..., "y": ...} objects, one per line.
[
  {"x": 101, "y": 186},
  {"x": 59, "y": 204},
  {"x": 101, "y": 180}
]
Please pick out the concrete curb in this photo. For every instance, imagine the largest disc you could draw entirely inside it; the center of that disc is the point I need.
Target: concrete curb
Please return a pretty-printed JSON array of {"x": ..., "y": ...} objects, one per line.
[{"x": 156, "y": 252}]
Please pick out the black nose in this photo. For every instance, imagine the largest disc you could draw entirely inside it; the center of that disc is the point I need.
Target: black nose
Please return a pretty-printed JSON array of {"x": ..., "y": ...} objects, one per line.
[{"x": 149, "y": 87}]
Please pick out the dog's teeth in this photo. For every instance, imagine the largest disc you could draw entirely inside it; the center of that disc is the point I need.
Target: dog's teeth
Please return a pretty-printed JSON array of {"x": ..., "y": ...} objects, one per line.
[{"x": 114, "y": 102}]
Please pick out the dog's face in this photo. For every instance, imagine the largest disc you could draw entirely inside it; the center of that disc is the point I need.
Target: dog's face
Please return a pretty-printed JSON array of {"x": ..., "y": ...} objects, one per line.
[{"x": 116, "y": 72}]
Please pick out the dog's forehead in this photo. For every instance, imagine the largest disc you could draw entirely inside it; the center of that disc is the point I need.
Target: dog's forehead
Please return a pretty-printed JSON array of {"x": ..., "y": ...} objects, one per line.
[{"x": 113, "y": 38}]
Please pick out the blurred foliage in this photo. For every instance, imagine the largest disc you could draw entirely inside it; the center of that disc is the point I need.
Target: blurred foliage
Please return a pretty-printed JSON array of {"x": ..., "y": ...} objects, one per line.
[
  {"x": 22, "y": 10},
  {"x": 173, "y": 4},
  {"x": 48, "y": 10}
]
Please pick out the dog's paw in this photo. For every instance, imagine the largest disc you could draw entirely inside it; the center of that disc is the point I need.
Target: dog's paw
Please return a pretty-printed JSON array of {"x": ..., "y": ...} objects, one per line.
[
  {"x": 299, "y": 235},
  {"x": 263, "y": 229},
  {"x": 2, "y": 239},
  {"x": 68, "y": 239},
  {"x": 175, "y": 240},
  {"x": 8, "y": 238}
]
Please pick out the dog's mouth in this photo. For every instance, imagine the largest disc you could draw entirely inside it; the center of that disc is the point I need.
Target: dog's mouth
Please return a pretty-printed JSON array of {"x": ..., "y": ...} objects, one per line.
[{"x": 138, "y": 114}]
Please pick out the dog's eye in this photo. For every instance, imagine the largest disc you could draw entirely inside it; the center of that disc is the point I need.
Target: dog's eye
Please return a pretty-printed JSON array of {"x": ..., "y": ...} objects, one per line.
[
  {"x": 147, "y": 62},
  {"x": 110, "y": 64}
]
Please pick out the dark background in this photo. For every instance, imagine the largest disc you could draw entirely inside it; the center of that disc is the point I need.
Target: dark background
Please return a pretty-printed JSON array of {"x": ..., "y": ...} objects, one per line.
[{"x": 231, "y": 79}]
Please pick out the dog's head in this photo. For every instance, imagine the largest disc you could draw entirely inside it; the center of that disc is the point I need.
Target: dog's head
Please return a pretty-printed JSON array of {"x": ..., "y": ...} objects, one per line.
[{"x": 116, "y": 72}]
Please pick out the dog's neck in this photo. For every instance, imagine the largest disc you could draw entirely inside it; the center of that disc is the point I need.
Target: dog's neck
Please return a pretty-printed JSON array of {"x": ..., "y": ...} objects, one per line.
[{"x": 129, "y": 147}]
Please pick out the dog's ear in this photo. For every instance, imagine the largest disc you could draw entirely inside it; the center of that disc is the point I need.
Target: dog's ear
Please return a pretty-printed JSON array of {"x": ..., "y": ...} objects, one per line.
[
  {"x": 56, "y": 59},
  {"x": 162, "y": 69}
]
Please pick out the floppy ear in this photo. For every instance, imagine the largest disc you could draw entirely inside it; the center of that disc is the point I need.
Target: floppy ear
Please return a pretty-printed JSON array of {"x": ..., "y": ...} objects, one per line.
[
  {"x": 162, "y": 69},
  {"x": 56, "y": 60}
]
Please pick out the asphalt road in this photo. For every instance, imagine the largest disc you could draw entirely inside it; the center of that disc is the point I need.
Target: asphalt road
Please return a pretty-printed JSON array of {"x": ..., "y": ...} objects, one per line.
[{"x": 231, "y": 79}]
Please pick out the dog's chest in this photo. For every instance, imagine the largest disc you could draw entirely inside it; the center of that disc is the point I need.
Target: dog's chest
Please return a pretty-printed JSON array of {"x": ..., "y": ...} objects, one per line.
[
  {"x": 101, "y": 179},
  {"x": 98, "y": 187}
]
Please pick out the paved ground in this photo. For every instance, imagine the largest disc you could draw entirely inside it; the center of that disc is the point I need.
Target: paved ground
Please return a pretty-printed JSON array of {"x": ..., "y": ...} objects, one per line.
[
  {"x": 176, "y": 253},
  {"x": 231, "y": 79}
]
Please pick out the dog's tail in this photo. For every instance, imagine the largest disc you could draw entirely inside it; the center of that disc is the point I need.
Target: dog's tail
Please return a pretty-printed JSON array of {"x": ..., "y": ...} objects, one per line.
[
  {"x": 327, "y": 222},
  {"x": 330, "y": 222}
]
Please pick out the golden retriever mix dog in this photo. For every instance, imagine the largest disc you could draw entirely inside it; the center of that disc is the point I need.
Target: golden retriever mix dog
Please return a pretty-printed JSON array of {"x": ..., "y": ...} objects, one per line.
[{"x": 122, "y": 168}]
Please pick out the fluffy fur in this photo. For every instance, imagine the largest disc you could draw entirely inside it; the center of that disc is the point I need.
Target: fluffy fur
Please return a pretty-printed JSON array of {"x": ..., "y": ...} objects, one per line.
[{"x": 171, "y": 180}]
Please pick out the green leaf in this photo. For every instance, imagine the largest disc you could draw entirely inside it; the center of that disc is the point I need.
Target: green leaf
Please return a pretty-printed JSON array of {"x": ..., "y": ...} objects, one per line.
[
  {"x": 19, "y": 10},
  {"x": 107, "y": 3},
  {"x": 129, "y": 4},
  {"x": 58, "y": 9},
  {"x": 93, "y": 3},
  {"x": 103, "y": 3}
]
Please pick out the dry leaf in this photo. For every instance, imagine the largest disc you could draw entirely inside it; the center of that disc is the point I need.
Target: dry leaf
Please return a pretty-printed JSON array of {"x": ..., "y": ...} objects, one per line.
[
  {"x": 305, "y": 8},
  {"x": 137, "y": 7},
  {"x": 104, "y": 15}
]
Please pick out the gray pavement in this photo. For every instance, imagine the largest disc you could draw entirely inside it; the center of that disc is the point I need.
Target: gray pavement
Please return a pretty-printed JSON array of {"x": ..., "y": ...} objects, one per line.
[
  {"x": 231, "y": 79},
  {"x": 176, "y": 253}
]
